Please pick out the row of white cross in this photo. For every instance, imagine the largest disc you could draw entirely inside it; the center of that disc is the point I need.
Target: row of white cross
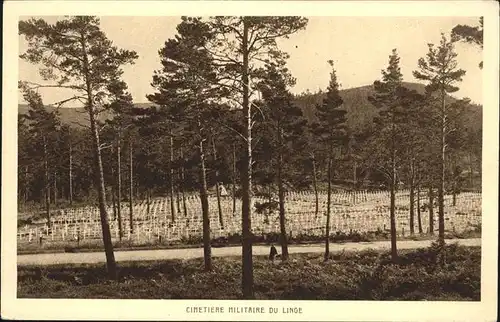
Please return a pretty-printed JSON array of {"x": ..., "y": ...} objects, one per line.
[{"x": 372, "y": 214}]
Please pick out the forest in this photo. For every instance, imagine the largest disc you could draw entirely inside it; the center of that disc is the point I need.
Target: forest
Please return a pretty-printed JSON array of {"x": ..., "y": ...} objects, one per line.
[{"x": 222, "y": 114}]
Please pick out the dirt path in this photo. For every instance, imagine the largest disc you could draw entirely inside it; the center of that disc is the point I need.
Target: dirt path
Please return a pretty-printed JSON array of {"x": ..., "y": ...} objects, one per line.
[{"x": 162, "y": 254}]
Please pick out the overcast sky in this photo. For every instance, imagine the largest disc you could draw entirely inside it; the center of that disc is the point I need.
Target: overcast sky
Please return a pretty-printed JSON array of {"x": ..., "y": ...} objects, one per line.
[{"x": 359, "y": 46}]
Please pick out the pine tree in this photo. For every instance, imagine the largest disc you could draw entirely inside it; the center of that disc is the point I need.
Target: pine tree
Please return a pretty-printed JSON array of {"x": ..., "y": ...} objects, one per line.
[
  {"x": 414, "y": 136},
  {"x": 285, "y": 123},
  {"x": 43, "y": 127},
  {"x": 238, "y": 43},
  {"x": 440, "y": 70},
  {"x": 77, "y": 55},
  {"x": 387, "y": 99},
  {"x": 456, "y": 143},
  {"x": 121, "y": 106},
  {"x": 330, "y": 131},
  {"x": 23, "y": 160},
  {"x": 184, "y": 91},
  {"x": 67, "y": 142},
  {"x": 216, "y": 167}
]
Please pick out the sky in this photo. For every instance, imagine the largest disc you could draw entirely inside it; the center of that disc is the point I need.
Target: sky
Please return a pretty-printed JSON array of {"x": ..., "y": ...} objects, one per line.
[{"x": 359, "y": 46}]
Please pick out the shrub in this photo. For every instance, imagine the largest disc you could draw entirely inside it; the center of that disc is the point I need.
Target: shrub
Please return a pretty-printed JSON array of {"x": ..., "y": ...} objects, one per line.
[
  {"x": 365, "y": 275},
  {"x": 192, "y": 239}
]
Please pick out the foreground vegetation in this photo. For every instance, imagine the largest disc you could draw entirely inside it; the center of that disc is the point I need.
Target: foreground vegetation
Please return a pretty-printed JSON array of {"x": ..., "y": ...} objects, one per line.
[{"x": 366, "y": 275}]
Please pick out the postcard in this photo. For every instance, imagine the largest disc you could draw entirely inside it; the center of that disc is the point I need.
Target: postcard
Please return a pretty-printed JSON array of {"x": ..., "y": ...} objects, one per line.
[{"x": 250, "y": 161}]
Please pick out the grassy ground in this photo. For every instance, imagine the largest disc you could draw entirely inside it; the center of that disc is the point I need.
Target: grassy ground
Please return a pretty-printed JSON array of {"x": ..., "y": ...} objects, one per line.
[
  {"x": 366, "y": 275},
  {"x": 92, "y": 245}
]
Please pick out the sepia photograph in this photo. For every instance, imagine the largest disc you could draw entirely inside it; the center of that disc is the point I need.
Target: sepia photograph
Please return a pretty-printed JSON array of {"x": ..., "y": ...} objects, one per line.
[{"x": 280, "y": 158}]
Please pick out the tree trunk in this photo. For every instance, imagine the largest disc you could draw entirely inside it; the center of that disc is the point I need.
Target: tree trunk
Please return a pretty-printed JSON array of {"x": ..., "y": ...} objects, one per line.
[
  {"x": 119, "y": 185},
  {"x": 178, "y": 190},
  {"x": 148, "y": 200},
  {"x": 442, "y": 169},
  {"x": 20, "y": 191},
  {"x": 246, "y": 180},
  {"x": 70, "y": 175},
  {"x": 234, "y": 179},
  {"x": 454, "y": 192},
  {"x": 47, "y": 183},
  {"x": 354, "y": 174},
  {"x": 328, "y": 209},
  {"x": 419, "y": 218},
  {"x": 471, "y": 173},
  {"x": 147, "y": 190},
  {"x": 394, "y": 250},
  {"x": 454, "y": 186},
  {"x": 182, "y": 185},
  {"x": 25, "y": 185},
  {"x": 412, "y": 198},
  {"x": 217, "y": 187},
  {"x": 315, "y": 185},
  {"x": 454, "y": 182},
  {"x": 131, "y": 187},
  {"x": 55, "y": 188},
  {"x": 171, "y": 171},
  {"x": 431, "y": 211},
  {"x": 281, "y": 196},
  {"x": 98, "y": 170},
  {"x": 479, "y": 166},
  {"x": 99, "y": 178},
  {"x": 178, "y": 194},
  {"x": 354, "y": 179},
  {"x": 207, "y": 251},
  {"x": 113, "y": 197}
]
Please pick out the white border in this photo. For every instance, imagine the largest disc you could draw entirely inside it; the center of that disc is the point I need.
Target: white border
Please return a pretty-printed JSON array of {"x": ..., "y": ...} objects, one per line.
[{"x": 485, "y": 310}]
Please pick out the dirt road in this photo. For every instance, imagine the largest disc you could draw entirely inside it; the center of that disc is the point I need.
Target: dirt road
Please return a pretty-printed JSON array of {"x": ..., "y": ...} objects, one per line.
[{"x": 163, "y": 254}]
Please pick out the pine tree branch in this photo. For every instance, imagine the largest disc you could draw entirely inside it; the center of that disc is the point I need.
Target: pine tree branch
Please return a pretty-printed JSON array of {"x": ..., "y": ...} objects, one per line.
[
  {"x": 60, "y": 103},
  {"x": 37, "y": 86},
  {"x": 105, "y": 146},
  {"x": 232, "y": 129}
]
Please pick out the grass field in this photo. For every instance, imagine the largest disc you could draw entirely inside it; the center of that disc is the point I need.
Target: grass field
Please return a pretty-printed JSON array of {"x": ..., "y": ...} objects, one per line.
[{"x": 365, "y": 275}]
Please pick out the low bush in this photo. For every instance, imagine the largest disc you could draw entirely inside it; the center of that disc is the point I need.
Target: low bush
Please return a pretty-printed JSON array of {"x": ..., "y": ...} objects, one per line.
[{"x": 365, "y": 275}]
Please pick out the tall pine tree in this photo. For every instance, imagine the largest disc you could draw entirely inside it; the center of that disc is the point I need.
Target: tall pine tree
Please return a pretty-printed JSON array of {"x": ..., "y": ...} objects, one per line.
[
  {"x": 440, "y": 70},
  {"x": 123, "y": 121},
  {"x": 330, "y": 131},
  {"x": 387, "y": 99},
  {"x": 238, "y": 44},
  {"x": 185, "y": 91},
  {"x": 43, "y": 127},
  {"x": 285, "y": 123},
  {"x": 76, "y": 54}
]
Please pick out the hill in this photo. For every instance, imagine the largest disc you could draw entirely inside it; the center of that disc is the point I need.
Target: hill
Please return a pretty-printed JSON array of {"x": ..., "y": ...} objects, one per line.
[
  {"x": 72, "y": 116},
  {"x": 360, "y": 111}
]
